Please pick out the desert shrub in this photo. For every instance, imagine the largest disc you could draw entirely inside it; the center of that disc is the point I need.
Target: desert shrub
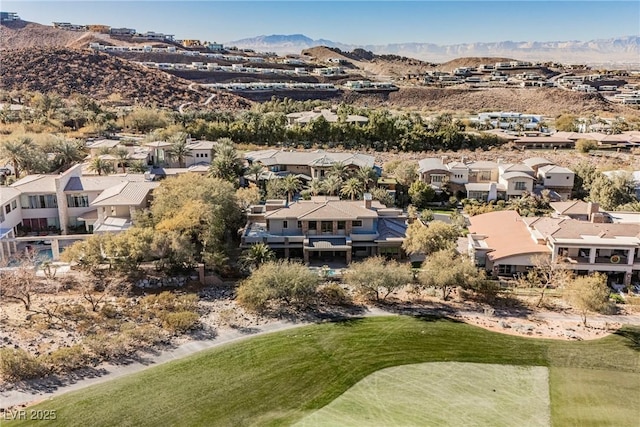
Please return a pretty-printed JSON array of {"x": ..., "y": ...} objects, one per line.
[
  {"x": 17, "y": 364},
  {"x": 586, "y": 145},
  {"x": 106, "y": 346},
  {"x": 144, "y": 334},
  {"x": 376, "y": 278},
  {"x": 334, "y": 294},
  {"x": 278, "y": 282},
  {"x": 67, "y": 359},
  {"x": 617, "y": 298},
  {"x": 179, "y": 322}
]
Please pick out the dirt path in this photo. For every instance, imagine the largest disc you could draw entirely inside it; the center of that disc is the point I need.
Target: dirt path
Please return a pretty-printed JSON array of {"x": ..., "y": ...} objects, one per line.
[{"x": 540, "y": 325}]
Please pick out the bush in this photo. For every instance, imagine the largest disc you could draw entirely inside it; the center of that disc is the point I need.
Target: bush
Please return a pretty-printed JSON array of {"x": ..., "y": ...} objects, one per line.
[
  {"x": 17, "y": 365},
  {"x": 67, "y": 359},
  {"x": 333, "y": 294},
  {"x": 180, "y": 322},
  {"x": 108, "y": 347},
  {"x": 586, "y": 145},
  {"x": 617, "y": 298}
]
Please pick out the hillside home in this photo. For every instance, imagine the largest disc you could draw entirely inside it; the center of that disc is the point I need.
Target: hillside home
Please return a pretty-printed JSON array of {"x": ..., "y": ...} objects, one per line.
[
  {"x": 306, "y": 117},
  {"x": 326, "y": 228}
]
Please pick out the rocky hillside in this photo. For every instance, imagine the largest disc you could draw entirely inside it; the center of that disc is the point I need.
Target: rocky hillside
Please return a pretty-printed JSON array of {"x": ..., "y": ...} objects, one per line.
[
  {"x": 23, "y": 34},
  {"x": 69, "y": 71},
  {"x": 370, "y": 63},
  {"x": 550, "y": 102}
]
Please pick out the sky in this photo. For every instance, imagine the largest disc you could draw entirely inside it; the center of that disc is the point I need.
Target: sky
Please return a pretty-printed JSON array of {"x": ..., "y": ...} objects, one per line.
[{"x": 352, "y": 22}]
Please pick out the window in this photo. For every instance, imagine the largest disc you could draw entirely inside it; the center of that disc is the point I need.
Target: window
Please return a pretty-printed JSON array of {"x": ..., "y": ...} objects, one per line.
[
  {"x": 357, "y": 223},
  {"x": 285, "y": 224},
  {"x": 205, "y": 155},
  {"x": 7, "y": 208},
  {"x": 299, "y": 224},
  {"x": 505, "y": 269},
  {"x": 485, "y": 175},
  {"x": 521, "y": 185},
  {"x": 77, "y": 201},
  {"x": 342, "y": 225},
  {"x": 1, "y": 216},
  {"x": 436, "y": 178},
  {"x": 313, "y": 225},
  {"x": 326, "y": 226},
  {"x": 14, "y": 204},
  {"x": 39, "y": 201}
]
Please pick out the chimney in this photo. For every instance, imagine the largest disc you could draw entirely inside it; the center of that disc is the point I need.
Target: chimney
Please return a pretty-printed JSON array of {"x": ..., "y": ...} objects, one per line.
[
  {"x": 443, "y": 159},
  {"x": 367, "y": 200}
]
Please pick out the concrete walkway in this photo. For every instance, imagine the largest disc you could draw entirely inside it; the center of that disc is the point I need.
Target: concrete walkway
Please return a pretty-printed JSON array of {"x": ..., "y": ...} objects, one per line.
[{"x": 44, "y": 389}]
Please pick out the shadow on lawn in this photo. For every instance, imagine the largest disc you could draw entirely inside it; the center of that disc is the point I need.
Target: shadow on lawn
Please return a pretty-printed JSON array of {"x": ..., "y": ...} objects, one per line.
[
  {"x": 632, "y": 335},
  {"x": 53, "y": 382}
]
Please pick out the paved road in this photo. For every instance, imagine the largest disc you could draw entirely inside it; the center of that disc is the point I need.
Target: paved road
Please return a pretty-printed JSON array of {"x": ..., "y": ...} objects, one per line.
[{"x": 49, "y": 388}]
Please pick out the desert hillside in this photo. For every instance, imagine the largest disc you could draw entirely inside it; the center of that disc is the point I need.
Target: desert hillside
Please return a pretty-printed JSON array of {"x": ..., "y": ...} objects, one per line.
[
  {"x": 550, "y": 102},
  {"x": 372, "y": 64},
  {"x": 69, "y": 71},
  {"x": 23, "y": 34}
]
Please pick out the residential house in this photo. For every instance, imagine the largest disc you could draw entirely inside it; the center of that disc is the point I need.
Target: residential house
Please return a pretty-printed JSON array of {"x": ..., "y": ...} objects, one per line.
[
  {"x": 10, "y": 218},
  {"x": 504, "y": 244},
  {"x": 558, "y": 179},
  {"x": 67, "y": 202},
  {"x": 308, "y": 164},
  {"x": 486, "y": 180},
  {"x": 576, "y": 209},
  {"x": 327, "y": 228}
]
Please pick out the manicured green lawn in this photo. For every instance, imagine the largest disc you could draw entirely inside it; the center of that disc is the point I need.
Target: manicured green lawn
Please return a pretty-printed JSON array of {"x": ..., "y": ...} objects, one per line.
[
  {"x": 442, "y": 394},
  {"x": 279, "y": 378}
]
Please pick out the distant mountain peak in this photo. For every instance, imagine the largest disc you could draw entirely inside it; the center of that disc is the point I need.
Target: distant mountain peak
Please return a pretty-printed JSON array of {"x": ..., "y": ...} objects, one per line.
[{"x": 624, "y": 49}]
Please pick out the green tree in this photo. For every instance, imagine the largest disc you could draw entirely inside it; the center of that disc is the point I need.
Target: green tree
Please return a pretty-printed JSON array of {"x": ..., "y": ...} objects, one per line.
[
  {"x": 587, "y": 294},
  {"x": 315, "y": 187},
  {"x": 427, "y": 239},
  {"x": 585, "y": 174},
  {"x": 67, "y": 152},
  {"x": 123, "y": 156},
  {"x": 16, "y": 151},
  {"x": 332, "y": 185},
  {"x": 179, "y": 149},
  {"x": 351, "y": 188},
  {"x": 100, "y": 166},
  {"x": 612, "y": 192},
  {"x": 446, "y": 270},
  {"x": 226, "y": 164},
  {"x": 586, "y": 145},
  {"x": 382, "y": 195},
  {"x": 338, "y": 170},
  {"x": 367, "y": 175},
  {"x": 256, "y": 255},
  {"x": 566, "y": 123},
  {"x": 376, "y": 278},
  {"x": 254, "y": 170},
  {"x": 421, "y": 194},
  {"x": 291, "y": 185},
  {"x": 279, "y": 283},
  {"x": 406, "y": 173}
]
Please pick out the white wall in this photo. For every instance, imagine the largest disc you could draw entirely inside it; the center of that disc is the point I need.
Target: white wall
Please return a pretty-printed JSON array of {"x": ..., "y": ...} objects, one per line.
[
  {"x": 552, "y": 179},
  {"x": 13, "y": 218}
]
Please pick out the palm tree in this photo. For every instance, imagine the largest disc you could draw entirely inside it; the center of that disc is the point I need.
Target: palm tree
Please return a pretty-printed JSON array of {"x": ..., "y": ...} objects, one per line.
[
  {"x": 122, "y": 154},
  {"x": 367, "y": 175},
  {"x": 316, "y": 187},
  {"x": 256, "y": 255},
  {"x": 16, "y": 151},
  {"x": 138, "y": 166},
  {"x": 67, "y": 152},
  {"x": 255, "y": 169},
  {"x": 332, "y": 185},
  {"x": 340, "y": 170},
  {"x": 179, "y": 149},
  {"x": 352, "y": 188},
  {"x": 226, "y": 164},
  {"x": 291, "y": 184},
  {"x": 100, "y": 166}
]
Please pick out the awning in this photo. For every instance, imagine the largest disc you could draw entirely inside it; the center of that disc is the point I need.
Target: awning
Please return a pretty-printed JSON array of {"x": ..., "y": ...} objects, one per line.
[{"x": 90, "y": 216}]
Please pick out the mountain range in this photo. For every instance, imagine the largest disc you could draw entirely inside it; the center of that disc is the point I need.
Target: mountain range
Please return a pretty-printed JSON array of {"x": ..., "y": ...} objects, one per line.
[{"x": 619, "y": 50}]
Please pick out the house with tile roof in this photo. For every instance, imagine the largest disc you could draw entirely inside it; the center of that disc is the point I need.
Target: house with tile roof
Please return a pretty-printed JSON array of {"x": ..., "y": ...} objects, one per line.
[
  {"x": 70, "y": 201},
  {"x": 504, "y": 243},
  {"x": 487, "y": 180},
  {"x": 307, "y": 164},
  {"x": 327, "y": 228}
]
